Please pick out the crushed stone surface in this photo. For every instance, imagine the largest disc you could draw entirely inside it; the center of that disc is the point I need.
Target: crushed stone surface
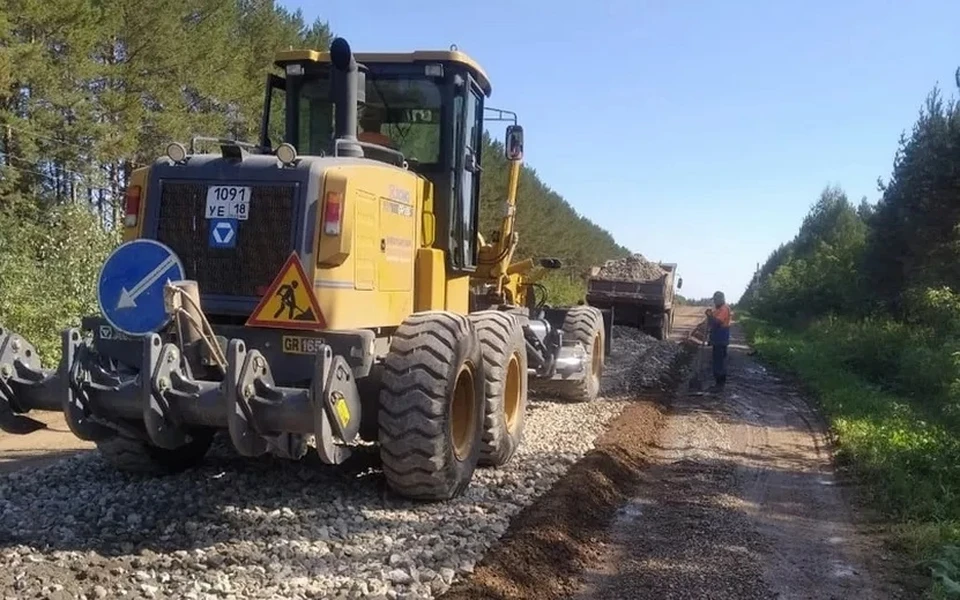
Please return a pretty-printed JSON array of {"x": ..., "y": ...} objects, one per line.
[{"x": 266, "y": 528}]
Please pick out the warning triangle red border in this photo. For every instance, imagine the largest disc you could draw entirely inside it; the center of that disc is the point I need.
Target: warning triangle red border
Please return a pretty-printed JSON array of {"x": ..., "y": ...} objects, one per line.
[{"x": 255, "y": 321}]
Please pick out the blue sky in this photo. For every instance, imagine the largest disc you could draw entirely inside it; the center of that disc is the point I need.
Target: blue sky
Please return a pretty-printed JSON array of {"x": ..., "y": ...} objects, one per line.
[{"x": 695, "y": 132}]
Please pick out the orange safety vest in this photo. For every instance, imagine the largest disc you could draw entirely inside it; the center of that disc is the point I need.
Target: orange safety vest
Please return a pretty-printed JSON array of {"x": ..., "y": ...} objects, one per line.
[
  {"x": 723, "y": 315},
  {"x": 375, "y": 137}
]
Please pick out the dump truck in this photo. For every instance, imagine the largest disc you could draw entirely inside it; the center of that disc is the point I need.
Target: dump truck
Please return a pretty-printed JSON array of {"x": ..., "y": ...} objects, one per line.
[
  {"x": 319, "y": 289},
  {"x": 638, "y": 292}
]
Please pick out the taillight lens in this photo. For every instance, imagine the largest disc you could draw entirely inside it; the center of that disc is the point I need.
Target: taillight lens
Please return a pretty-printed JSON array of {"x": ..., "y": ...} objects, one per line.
[
  {"x": 131, "y": 206},
  {"x": 333, "y": 213}
]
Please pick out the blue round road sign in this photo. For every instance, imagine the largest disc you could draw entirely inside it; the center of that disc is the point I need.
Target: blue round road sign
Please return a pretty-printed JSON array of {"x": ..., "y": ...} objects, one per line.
[{"x": 130, "y": 290}]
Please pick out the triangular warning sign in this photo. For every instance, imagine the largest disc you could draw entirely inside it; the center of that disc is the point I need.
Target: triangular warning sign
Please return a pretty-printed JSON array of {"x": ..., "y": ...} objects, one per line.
[{"x": 289, "y": 302}]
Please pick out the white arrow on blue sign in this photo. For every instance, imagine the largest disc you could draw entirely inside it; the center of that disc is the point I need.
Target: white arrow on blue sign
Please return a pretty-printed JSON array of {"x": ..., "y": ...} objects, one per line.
[
  {"x": 130, "y": 288},
  {"x": 223, "y": 233}
]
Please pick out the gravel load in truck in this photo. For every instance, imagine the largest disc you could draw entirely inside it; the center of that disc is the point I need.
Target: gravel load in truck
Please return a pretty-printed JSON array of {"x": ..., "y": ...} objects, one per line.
[
  {"x": 633, "y": 268},
  {"x": 637, "y": 291}
]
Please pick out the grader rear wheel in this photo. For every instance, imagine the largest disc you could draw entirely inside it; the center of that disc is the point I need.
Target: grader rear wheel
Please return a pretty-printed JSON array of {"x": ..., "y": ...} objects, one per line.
[
  {"x": 431, "y": 406},
  {"x": 505, "y": 384}
]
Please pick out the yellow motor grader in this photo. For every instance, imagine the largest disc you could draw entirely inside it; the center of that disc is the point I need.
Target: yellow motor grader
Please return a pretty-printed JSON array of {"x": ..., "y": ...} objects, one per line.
[{"x": 333, "y": 286}]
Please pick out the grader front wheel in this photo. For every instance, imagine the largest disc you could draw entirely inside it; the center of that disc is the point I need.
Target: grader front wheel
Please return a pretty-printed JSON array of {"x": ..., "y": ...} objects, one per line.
[
  {"x": 505, "y": 384},
  {"x": 584, "y": 324},
  {"x": 431, "y": 406}
]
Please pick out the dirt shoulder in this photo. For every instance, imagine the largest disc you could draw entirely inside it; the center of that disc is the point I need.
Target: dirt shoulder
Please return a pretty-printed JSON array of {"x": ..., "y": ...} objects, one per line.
[
  {"x": 40, "y": 447},
  {"x": 728, "y": 496}
]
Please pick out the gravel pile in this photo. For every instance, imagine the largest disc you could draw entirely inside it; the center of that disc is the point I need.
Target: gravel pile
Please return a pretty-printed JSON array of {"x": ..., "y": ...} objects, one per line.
[
  {"x": 639, "y": 362},
  {"x": 266, "y": 528},
  {"x": 632, "y": 268}
]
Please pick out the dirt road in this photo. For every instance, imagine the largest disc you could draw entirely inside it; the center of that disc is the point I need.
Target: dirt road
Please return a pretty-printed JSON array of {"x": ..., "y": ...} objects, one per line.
[
  {"x": 41, "y": 447},
  {"x": 740, "y": 501},
  {"x": 730, "y": 496}
]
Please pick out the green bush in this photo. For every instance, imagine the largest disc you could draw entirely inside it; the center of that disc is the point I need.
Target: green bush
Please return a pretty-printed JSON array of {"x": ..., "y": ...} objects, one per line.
[{"x": 48, "y": 272}]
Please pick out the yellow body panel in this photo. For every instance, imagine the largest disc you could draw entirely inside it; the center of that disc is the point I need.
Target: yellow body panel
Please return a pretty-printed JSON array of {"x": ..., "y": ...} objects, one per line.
[
  {"x": 458, "y": 294},
  {"x": 376, "y": 272},
  {"x": 431, "y": 280},
  {"x": 454, "y": 56}
]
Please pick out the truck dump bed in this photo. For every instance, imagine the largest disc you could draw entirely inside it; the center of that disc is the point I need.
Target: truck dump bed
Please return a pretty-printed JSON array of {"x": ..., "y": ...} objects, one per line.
[{"x": 639, "y": 292}]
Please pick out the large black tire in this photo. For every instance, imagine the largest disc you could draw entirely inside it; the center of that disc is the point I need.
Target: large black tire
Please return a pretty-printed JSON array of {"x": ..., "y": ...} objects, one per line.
[
  {"x": 431, "y": 406},
  {"x": 135, "y": 456},
  {"x": 505, "y": 384},
  {"x": 582, "y": 324}
]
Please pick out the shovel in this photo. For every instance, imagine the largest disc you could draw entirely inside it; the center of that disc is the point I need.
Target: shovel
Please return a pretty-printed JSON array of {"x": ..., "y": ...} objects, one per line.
[{"x": 696, "y": 384}]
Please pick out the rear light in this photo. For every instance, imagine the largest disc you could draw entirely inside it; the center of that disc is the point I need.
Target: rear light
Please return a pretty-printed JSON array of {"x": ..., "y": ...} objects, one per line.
[
  {"x": 131, "y": 206},
  {"x": 333, "y": 213}
]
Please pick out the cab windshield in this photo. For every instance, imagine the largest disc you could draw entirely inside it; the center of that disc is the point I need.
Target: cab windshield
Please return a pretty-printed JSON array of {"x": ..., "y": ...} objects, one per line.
[{"x": 402, "y": 113}]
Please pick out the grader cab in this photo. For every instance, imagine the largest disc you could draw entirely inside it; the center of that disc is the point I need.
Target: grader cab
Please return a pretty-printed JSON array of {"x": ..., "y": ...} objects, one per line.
[{"x": 333, "y": 287}]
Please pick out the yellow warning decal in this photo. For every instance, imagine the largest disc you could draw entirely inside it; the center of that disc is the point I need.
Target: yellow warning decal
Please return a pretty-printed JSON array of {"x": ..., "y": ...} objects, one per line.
[
  {"x": 289, "y": 302},
  {"x": 343, "y": 413}
]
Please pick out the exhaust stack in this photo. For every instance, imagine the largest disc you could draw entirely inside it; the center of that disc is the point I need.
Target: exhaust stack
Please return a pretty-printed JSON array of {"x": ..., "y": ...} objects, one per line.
[{"x": 345, "y": 80}]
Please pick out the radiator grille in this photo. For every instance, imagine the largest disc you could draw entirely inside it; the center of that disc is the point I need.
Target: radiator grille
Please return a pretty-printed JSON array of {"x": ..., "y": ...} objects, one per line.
[{"x": 263, "y": 240}]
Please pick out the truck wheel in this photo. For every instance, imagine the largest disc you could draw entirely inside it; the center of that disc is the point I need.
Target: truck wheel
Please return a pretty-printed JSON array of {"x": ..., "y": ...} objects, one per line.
[
  {"x": 136, "y": 456},
  {"x": 505, "y": 384},
  {"x": 665, "y": 327},
  {"x": 431, "y": 406}
]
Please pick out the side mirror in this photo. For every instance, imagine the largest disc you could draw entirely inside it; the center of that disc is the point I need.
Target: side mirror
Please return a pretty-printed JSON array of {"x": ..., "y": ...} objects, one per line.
[
  {"x": 514, "y": 143},
  {"x": 680, "y": 283}
]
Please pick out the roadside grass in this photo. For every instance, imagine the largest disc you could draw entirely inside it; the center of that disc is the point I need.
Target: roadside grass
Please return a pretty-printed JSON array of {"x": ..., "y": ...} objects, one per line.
[
  {"x": 563, "y": 289},
  {"x": 887, "y": 393}
]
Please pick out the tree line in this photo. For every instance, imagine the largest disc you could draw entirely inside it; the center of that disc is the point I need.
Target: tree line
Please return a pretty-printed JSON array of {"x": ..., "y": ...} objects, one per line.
[
  {"x": 91, "y": 89},
  {"x": 897, "y": 258}
]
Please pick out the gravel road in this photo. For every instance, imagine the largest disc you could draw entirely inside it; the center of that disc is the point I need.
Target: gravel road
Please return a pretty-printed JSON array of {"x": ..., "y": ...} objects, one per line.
[
  {"x": 740, "y": 501},
  {"x": 267, "y": 528}
]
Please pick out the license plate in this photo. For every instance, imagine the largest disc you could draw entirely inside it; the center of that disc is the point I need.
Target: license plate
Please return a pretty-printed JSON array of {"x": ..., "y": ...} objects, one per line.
[
  {"x": 301, "y": 345},
  {"x": 228, "y": 202}
]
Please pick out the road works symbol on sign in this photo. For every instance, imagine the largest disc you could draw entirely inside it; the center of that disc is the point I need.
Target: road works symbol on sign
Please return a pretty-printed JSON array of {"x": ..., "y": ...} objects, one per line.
[
  {"x": 289, "y": 302},
  {"x": 130, "y": 289}
]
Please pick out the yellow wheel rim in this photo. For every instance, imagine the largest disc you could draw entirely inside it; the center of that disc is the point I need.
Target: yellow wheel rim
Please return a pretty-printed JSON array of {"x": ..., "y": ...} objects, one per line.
[
  {"x": 597, "y": 356},
  {"x": 462, "y": 417},
  {"x": 511, "y": 391}
]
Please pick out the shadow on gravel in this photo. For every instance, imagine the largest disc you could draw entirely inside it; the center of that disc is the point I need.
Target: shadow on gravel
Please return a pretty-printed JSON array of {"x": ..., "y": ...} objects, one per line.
[{"x": 82, "y": 504}]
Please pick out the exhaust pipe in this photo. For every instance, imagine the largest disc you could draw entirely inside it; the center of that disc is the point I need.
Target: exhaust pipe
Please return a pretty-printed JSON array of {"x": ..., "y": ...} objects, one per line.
[{"x": 345, "y": 80}]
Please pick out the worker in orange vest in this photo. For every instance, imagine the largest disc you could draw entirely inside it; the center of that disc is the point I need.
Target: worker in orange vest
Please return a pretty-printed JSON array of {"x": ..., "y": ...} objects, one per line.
[
  {"x": 371, "y": 122},
  {"x": 718, "y": 319}
]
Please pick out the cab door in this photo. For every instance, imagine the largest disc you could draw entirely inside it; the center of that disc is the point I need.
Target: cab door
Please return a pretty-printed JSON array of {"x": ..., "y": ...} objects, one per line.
[{"x": 468, "y": 114}]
